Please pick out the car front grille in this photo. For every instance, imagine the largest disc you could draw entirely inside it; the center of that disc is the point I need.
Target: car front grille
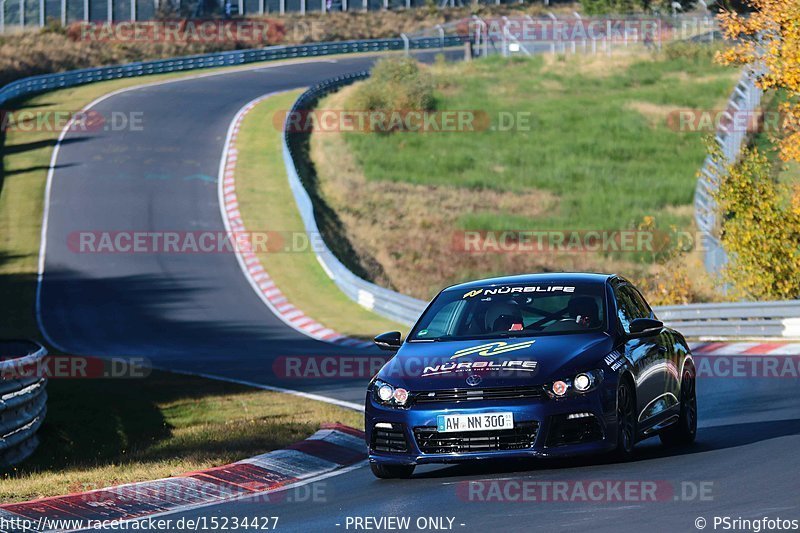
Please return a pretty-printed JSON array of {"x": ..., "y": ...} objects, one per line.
[
  {"x": 389, "y": 440},
  {"x": 467, "y": 395},
  {"x": 521, "y": 437}
]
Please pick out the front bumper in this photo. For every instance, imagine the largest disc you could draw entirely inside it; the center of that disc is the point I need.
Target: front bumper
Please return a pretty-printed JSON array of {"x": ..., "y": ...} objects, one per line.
[{"x": 542, "y": 429}]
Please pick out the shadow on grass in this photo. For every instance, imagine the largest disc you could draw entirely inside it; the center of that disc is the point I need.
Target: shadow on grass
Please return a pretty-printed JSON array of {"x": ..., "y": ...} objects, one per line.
[
  {"x": 105, "y": 422},
  {"x": 36, "y": 145},
  {"x": 35, "y": 168},
  {"x": 17, "y": 294}
]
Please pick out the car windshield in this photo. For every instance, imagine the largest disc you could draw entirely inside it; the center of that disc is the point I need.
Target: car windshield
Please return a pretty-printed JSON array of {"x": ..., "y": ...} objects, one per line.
[{"x": 511, "y": 311}]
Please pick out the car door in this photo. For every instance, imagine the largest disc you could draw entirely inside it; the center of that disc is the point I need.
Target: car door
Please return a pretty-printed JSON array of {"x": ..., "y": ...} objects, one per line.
[
  {"x": 647, "y": 354},
  {"x": 673, "y": 359}
]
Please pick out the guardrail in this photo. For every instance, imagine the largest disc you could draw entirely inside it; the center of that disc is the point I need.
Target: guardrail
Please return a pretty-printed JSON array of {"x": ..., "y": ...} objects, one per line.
[
  {"x": 386, "y": 302},
  {"x": 744, "y": 319},
  {"x": 741, "y": 319},
  {"x": 746, "y": 98},
  {"x": 47, "y": 82},
  {"x": 23, "y": 400}
]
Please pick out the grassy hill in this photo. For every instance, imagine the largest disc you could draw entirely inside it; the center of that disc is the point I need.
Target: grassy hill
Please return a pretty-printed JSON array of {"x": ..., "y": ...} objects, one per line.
[{"x": 601, "y": 152}]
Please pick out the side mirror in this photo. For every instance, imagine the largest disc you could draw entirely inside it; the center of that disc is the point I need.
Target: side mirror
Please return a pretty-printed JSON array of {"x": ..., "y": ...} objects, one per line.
[
  {"x": 388, "y": 341},
  {"x": 645, "y": 327}
]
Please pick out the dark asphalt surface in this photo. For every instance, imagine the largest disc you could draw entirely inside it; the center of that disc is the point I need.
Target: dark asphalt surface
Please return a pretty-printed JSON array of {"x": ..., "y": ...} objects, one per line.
[{"x": 198, "y": 313}]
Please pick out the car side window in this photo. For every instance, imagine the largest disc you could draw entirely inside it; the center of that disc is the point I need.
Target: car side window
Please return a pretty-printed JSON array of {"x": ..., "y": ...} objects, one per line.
[
  {"x": 641, "y": 303},
  {"x": 630, "y": 306},
  {"x": 443, "y": 322}
]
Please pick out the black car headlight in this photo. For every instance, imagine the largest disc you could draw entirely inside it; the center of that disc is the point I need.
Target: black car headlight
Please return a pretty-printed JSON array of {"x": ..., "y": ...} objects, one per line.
[
  {"x": 581, "y": 383},
  {"x": 387, "y": 394}
]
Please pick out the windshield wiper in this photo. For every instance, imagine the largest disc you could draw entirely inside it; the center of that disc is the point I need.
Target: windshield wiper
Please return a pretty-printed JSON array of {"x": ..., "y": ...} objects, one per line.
[{"x": 489, "y": 336}]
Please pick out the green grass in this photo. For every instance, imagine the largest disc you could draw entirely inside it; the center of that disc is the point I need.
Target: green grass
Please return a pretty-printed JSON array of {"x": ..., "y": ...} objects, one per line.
[
  {"x": 105, "y": 432},
  {"x": 608, "y": 163},
  {"x": 267, "y": 204}
]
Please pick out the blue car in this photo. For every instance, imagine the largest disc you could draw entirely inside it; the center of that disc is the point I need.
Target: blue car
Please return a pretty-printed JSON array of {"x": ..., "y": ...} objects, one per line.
[{"x": 542, "y": 365}]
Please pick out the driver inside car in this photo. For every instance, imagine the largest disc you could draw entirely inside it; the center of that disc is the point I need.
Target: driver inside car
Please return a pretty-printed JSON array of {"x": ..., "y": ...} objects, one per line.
[{"x": 504, "y": 316}]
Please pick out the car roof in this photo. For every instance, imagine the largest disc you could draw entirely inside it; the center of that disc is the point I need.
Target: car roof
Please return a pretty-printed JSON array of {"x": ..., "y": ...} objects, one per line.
[{"x": 549, "y": 277}]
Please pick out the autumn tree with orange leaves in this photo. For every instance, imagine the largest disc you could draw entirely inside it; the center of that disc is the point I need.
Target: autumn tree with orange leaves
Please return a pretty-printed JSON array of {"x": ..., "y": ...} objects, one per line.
[
  {"x": 760, "y": 215},
  {"x": 768, "y": 39}
]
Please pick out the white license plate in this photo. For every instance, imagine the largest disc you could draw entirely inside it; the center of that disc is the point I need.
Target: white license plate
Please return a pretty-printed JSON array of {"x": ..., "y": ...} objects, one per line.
[{"x": 476, "y": 422}]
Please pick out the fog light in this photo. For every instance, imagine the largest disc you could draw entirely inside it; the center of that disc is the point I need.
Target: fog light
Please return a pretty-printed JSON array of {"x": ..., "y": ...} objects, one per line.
[
  {"x": 583, "y": 382},
  {"x": 579, "y": 415},
  {"x": 559, "y": 388},
  {"x": 385, "y": 393}
]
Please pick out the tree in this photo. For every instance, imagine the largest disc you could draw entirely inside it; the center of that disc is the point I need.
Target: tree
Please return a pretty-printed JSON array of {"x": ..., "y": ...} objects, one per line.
[
  {"x": 768, "y": 40},
  {"x": 760, "y": 229}
]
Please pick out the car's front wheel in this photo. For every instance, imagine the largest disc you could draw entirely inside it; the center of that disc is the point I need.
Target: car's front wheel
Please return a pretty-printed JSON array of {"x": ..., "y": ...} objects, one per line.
[
  {"x": 626, "y": 421},
  {"x": 392, "y": 471},
  {"x": 684, "y": 431}
]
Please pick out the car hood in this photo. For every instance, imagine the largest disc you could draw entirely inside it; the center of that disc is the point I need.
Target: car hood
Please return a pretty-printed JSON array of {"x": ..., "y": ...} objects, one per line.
[{"x": 504, "y": 362}]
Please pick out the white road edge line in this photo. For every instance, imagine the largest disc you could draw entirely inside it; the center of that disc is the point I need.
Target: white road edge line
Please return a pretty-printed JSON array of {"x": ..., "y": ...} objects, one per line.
[
  {"x": 224, "y": 214},
  {"x": 240, "y": 497}
]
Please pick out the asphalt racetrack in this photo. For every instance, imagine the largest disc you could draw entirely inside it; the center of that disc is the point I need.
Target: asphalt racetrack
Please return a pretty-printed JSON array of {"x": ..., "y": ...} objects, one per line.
[
  {"x": 198, "y": 313},
  {"x": 190, "y": 312}
]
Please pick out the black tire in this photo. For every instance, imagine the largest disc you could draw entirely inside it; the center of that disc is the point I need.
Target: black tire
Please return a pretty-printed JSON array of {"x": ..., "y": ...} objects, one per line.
[
  {"x": 391, "y": 471},
  {"x": 684, "y": 431},
  {"x": 626, "y": 421}
]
